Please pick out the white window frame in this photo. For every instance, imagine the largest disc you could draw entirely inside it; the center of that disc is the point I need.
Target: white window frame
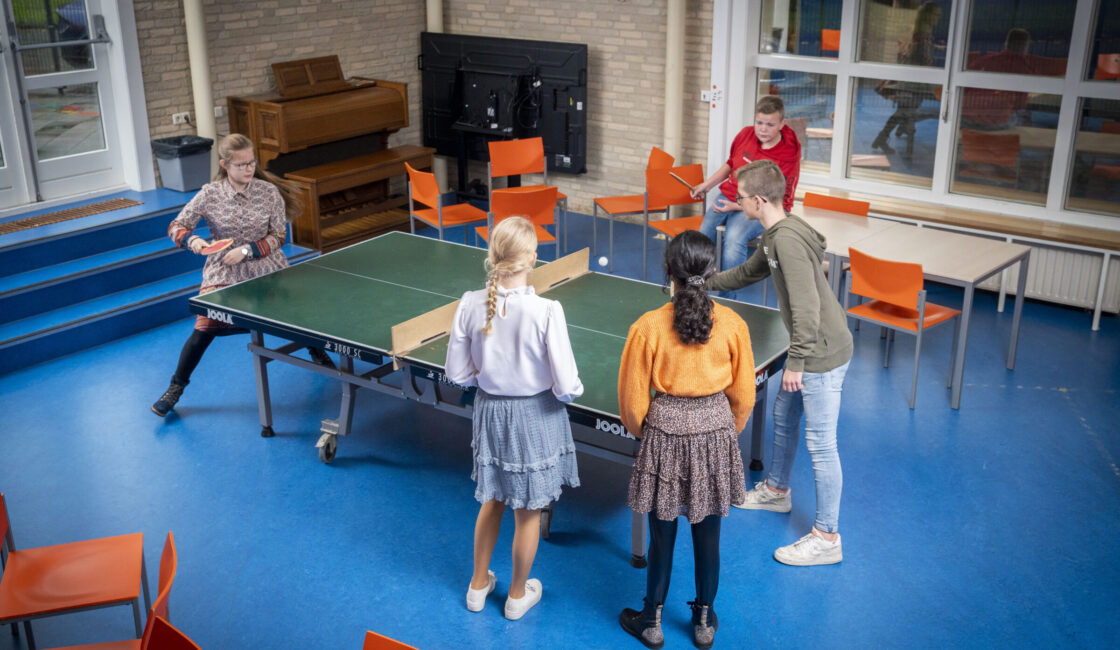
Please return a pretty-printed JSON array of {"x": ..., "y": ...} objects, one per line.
[{"x": 736, "y": 60}]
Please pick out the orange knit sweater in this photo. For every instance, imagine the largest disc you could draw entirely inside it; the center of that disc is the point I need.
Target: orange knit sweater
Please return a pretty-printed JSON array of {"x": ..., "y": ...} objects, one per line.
[{"x": 655, "y": 358}]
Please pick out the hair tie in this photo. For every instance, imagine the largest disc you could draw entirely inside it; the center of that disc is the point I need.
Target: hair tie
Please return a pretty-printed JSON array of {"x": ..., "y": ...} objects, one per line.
[{"x": 695, "y": 281}]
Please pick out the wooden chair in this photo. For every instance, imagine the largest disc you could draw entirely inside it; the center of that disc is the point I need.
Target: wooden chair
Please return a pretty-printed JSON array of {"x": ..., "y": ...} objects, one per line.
[
  {"x": 375, "y": 641},
  {"x": 168, "y": 565},
  {"x": 68, "y": 578},
  {"x": 898, "y": 303},
  {"x": 423, "y": 188},
  {"x": 537, "y": 205},
  {"x": 515, "y": 158},
  {"x": 989, "y": 156},
  {"x": 616, "y": 206},
  {"x": 662, "y": 192}
]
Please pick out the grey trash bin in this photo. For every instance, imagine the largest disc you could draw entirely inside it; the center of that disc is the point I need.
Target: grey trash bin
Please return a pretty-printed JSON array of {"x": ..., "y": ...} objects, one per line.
[{"x": 184, "y": 161}]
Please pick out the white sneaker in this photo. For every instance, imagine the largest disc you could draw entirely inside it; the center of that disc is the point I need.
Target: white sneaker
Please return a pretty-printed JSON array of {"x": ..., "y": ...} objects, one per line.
[
  {"x": 761, "y": 497},
  {"x": 476, "y": 598},
  {"x": 810, "y": 550},
  {"x": 516, "y": 607}
]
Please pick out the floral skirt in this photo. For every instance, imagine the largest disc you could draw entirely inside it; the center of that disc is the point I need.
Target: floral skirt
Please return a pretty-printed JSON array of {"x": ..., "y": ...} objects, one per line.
[{"x": 689, "y": 461}]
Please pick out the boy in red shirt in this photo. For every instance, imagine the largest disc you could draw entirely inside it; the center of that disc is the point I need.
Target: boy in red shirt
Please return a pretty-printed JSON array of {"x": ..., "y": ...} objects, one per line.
[{"x": 769, "y": 138}]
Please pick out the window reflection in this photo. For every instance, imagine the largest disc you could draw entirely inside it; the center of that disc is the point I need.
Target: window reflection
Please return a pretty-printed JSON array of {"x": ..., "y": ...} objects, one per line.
[
  {"x": 1095, "y": 181},
  {"x": 1020, "y": 38},
  {"x": 805, "y": 28},
  {"x": 894, "y": 131},
  {"x": 67, "y": 120},
  {"x": 908, "y": 33},
  {"x": 53, "y": 22},
  {"x": 810, "y": 101},
  {"x": 1104, "y": 62}
]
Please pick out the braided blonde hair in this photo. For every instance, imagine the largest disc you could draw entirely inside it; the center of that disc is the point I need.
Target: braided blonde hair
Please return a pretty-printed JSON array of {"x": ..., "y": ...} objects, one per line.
[{"x": 513, "y": 245}]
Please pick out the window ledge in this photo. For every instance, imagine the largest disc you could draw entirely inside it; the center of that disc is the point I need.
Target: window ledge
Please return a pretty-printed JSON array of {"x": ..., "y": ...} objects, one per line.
[{"x": 988, "y": 221}]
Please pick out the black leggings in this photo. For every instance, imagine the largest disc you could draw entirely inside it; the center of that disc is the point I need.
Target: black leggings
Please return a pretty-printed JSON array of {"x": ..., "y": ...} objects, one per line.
[
  {"x": 705, "y": 546},
  {"x": 192, "y": 353}
]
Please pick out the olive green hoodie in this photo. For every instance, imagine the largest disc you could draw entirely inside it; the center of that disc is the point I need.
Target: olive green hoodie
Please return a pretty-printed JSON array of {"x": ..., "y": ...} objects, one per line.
[{"x": 792, "y": 252}]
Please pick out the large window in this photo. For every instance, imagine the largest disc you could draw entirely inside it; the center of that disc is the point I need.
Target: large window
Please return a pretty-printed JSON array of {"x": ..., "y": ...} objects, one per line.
[{"x": 974, "y": 103}]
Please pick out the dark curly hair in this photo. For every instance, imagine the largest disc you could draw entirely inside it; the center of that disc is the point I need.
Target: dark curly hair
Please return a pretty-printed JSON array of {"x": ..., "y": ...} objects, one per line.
[{"x": 690, "y": 259}]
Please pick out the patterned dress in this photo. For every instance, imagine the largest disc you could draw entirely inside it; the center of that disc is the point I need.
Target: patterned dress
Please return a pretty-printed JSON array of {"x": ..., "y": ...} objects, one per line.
[{"x": 253, "y": 217}]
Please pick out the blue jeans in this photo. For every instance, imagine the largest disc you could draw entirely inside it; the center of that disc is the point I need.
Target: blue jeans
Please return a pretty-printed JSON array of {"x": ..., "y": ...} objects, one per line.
[
  {"x": 819, "y": 401},
  {"x": 740, "y": 230}
]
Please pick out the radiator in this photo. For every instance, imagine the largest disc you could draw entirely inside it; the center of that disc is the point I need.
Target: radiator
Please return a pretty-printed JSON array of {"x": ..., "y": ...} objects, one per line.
[{"x": 1067, "y": 277}]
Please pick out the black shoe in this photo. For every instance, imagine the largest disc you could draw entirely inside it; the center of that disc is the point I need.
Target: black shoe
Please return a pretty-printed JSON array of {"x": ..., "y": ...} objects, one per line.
[
  {"x": 881, "y": 143},
  {"x": 320, "y": 357},
  {"x": 167, "y": 402},
  {"x": 704, "y": 625},
  {"x": 645, "y": 625}
]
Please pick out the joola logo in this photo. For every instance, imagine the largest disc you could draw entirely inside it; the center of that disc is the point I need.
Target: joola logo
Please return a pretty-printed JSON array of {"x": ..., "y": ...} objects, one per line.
[
  {"x": 612, "y": 427},
  {"x": 220, "y": 316}
]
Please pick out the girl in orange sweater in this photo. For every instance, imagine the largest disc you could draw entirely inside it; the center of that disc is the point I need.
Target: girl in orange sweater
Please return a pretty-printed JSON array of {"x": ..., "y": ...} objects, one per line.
[{"x": 696, "y": 356}]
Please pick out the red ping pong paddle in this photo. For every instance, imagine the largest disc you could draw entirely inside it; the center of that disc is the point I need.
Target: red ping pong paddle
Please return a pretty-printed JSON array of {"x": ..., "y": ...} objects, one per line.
[{"x": 217, "y": 246}]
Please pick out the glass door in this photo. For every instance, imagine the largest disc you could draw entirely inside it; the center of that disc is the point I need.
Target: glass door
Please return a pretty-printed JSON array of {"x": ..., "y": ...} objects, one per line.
[{"x": 57, "y": 63}]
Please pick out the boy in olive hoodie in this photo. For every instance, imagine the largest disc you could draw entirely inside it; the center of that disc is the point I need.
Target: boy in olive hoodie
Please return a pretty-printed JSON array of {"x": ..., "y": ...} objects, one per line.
[{"x": 819, "y": 352}]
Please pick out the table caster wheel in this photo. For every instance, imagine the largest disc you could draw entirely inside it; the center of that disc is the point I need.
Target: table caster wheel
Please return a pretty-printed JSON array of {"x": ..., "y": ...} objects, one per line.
[
  {"x": 328, "y": 447},
  {"x": 267, "y": 432}
]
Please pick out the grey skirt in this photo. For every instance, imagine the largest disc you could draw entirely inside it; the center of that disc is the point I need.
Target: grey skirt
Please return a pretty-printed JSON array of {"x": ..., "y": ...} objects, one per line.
[
  {"x": 523, "y": 450},
  {"x": 689, "y": 461}
]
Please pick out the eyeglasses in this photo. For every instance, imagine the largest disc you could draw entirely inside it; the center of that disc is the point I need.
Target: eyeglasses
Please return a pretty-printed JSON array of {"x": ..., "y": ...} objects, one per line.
[
  {"x": 739, "y": 198},
  {"x": 244, "y": 165}
]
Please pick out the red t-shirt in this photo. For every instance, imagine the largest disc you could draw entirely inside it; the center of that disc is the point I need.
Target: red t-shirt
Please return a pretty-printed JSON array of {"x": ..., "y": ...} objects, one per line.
[{"x": 747, "y": 148}]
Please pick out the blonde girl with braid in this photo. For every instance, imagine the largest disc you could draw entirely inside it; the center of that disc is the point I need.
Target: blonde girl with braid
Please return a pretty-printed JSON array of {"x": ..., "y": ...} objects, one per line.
[{"x": 513, "y": 345}]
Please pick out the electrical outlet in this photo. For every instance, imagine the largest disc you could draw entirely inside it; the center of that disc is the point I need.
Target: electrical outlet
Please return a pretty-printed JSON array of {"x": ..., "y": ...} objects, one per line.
[
  {"x": 219, "y": 111},
  {"x": 705, "y": 96},
  {"x": 181, "y": 118}
]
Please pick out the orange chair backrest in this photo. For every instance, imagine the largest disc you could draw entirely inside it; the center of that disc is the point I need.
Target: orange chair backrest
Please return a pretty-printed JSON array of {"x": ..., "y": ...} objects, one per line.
[
  {"x": 5, "y": 525},
  {"x": 659, "y": 159},
  {"x": 991, "y": 148},
  {"x": 165, "y": 636},
  {"x": 537, "y": 205},
  {"x": 375, "y": 641},
  {"x": 895, "y": 282},
  {"x": 836, "y": 204},
  {"x": 513, "y": 157},
  {"x": 425, "y": 187},
  {"x": 168, "y": 565},
  {"x": 1108, "y": 66},
  {"x": 663, "y": 189},
  {"x": 830, "y": 40}
]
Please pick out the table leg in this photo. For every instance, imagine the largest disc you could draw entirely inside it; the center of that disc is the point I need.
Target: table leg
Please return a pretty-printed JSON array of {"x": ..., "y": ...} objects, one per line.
[
  {"x": 1020, "y": 297},
  {"x": 264, "y": 401},
  {"x": 1101, "y": 284},
  {"x": 758, "y": 426},
  {"x": 958, "y": 363}
]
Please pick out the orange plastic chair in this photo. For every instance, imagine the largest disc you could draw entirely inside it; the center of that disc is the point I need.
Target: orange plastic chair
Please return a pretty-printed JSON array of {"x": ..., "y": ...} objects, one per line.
[
  {"x": 516, "y": 158},
  {"x": 1108, "y": 66},
  {"x": 375, "y": 641},
  {"x": 662, "y": 192},
  {"x": 538, "y": 206},
  {"x": 166, "y": 636},
  {"x": 989, "y": 156},
  {"x": 423, "y": 188},
  {"x": 616, "y": 206},
  {"x": 898, "y": 303},
  {"x": 66, "y": 578},
  {"x": 830, "y": 41},
  {"x": 168, "y": 565},
  {"x": 836, "y": 204}
]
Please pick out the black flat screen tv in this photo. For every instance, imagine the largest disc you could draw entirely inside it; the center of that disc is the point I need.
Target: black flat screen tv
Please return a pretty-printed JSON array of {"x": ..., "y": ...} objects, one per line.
[{"x": 479, "y": 88}]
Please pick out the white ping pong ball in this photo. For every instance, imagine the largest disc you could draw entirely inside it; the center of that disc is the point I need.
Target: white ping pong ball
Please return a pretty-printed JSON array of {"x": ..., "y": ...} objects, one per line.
[{"x": 602, "y": 261}]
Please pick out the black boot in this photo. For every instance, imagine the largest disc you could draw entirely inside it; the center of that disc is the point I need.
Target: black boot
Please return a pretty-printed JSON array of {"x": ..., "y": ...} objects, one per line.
[
  {"x": 704, "y": 625},
  {"x": 881, "y": 142},
  {"x": 646, "y": 624},
  {"x": 168, "y": 400}
]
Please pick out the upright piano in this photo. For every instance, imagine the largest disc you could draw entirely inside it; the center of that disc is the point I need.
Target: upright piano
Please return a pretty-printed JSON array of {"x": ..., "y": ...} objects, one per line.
[{"x": 329, "y": 135}]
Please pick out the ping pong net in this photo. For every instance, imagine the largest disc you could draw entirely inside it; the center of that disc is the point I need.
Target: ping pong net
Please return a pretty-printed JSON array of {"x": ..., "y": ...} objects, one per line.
[{"x": 435, "y": 324}]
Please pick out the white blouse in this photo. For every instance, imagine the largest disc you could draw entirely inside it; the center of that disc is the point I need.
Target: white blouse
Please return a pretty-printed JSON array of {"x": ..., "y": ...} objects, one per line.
[{"x": 527, "y": 352}]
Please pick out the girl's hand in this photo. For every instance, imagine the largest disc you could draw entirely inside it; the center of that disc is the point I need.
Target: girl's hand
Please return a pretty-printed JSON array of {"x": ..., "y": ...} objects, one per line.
[
  {"x": 197, "y": 244},
  {"x": 234, "y": 256}
]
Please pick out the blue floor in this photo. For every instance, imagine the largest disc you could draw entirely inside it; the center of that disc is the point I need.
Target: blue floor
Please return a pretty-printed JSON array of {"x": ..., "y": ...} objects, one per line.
[{"x": 995, "y": 525}]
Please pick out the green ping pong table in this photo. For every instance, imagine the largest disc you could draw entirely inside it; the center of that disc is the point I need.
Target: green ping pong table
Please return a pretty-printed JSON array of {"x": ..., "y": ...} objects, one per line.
[{"x": 348, "y": 301}]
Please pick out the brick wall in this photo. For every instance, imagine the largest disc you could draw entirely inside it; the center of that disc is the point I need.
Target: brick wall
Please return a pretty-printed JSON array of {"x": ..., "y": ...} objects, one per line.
[{"x": 625, "y": 38}]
